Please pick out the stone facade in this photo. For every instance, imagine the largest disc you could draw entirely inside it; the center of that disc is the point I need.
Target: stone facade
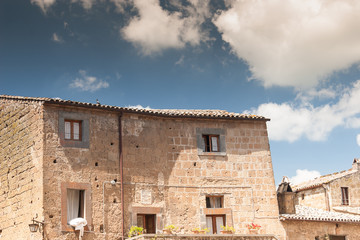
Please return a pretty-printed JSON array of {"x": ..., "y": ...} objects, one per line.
[{"x": 166, "y": 173}]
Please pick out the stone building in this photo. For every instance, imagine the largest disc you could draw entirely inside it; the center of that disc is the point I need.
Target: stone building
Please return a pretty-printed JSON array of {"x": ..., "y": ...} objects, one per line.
[
  {"x": 327, "y": 207},
  {"x": 117, "y": 167}
]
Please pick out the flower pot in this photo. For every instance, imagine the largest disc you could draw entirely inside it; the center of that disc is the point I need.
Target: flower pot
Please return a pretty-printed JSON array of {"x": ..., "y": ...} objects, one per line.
[
  {"x": 226, "y": 232},
  {"x": 196, "y": 232},
  {"x": 167, "y": 231},
  {"x": 254, "y": 231}
]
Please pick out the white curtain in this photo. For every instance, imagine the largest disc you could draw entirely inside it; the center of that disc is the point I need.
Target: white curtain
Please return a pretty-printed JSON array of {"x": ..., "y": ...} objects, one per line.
[
  {"x": 67, "y": 130},
  {"x": 209, "y": 224},
  {"x": 219, "y": 223},
  {"x": 73, "y": 197},
  {"x": 76, "y": 130},
  {"x": 214, "y": 144},
  {"x": 217, "y": 202}
]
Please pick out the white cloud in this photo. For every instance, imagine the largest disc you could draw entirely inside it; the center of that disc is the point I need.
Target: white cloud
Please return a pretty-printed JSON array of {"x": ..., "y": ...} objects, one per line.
[
  {"x": 88, "y": 83},
  {"x": 293, "y": 43},
  {"x": 303, "y": 175},
  {"x": 56, "y": 38},
  {"x": 290, "y": 121},
  {"x": 358, "y": 139},
  {"x": 138, "y": 106},
  {"x": 156, "y": 29},
  {"x": 43, "y": 4},
  {"x": 180, "y": 61}
]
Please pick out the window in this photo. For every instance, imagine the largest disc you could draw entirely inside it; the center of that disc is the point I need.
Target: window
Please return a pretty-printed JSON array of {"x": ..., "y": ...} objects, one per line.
[
  {"x": 73, "y": 130},
  {"x": 75, "y": 203},
  {"x": 345, "y": 196},
  {"x": 214, "y": 223},
  {"x": 211, "y": 143},
  {"x": 214, "y": 202},
  {"x": 147, "y": 221}
]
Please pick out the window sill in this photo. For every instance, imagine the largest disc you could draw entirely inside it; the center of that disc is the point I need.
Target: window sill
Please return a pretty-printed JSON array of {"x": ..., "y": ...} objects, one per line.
[{"x": 212, "y": 153}]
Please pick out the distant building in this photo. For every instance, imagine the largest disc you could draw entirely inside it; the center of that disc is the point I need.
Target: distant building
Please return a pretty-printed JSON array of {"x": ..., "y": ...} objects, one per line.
[
  {"x": 117, "y": 167},
  {"x": 328, "y": 206}
]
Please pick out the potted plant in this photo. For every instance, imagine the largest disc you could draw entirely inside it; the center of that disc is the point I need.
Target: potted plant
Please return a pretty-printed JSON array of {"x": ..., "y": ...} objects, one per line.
[
  {"x": 227, "y": 230},
  {"x": 135, "y": 231},
  {"x": 169, "y": 229},
  {"x": 253, "y": 228}
]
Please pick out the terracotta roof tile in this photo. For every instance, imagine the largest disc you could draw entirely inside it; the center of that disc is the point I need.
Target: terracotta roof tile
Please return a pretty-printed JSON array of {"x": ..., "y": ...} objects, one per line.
[
  {"x": 159, "y": 112},
  {"x": 313, "y": 214}
]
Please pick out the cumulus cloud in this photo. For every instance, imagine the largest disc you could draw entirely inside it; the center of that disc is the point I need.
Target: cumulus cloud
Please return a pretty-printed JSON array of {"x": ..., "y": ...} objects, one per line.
[
  {"x": 293, "y": 43},
  {"x": 88, "y": 83},
  {"x": 43, "y": 4},
  {"x": 56, "y": 38},
  {"x": 303, "y": 175},
  {"x": 358, "y": 139},
  {"x": 292, "y": 121},
  {"x": 138, "y": 106},
  {"x": 156, "y": 29}
]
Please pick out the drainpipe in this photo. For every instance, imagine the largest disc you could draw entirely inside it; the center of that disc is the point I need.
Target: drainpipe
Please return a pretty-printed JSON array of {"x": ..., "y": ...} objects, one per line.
[
  {"x": 327, "y": 197},
  {"x": 121, "y": 176}
]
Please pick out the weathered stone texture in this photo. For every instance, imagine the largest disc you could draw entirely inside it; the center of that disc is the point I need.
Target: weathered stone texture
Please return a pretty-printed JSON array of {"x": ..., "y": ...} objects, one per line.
[
  {"x": 163, "y": 152},
  {"x": 164, "y": 174},
  {"x": 301, "y": 230},
  {"x": 315, "y": 197},
  {"x": 21, "y": 147}
]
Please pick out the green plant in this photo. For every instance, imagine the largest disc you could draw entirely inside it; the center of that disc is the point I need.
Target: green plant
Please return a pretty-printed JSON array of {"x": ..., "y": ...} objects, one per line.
[
  {"x": 205, "y": 230},
  {"x": 135, "y": 230},
  {"x": 253, "y": 226},
  {"x": 171, "y": 227},
  {"x": 228, "y": 228}
]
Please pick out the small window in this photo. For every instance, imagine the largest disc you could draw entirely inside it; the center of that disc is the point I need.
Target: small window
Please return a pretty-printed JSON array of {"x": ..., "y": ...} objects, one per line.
[
  {"x": 73, "y": 130},
  {"x": 211, "y": 143},
  {"x": 214, "y": 202},
  {"x": 214, "y": 223},
  {"x": 345, "y": 196},
  {"x": 75, "y": 203}
]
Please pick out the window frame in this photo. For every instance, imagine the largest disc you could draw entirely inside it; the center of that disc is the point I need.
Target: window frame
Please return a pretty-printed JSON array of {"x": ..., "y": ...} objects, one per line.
[
  {"x": 86, "y": 187},
  {"x": 72, "y": 133},
  {"x": 213, "y": 221},
  {"x": 85, "y": 129},
  {"x": 145, "y": 221},
  {"x": 219, "y": 133},
  {"x": 208, "y": 139},
  {"x": 345, "y": 199},
  {"x": 212, "y": 198}
]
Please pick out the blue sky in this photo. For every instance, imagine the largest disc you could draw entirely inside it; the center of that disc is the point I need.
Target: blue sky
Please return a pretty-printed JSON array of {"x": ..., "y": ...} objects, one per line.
[{"x": 296, "y": 62}]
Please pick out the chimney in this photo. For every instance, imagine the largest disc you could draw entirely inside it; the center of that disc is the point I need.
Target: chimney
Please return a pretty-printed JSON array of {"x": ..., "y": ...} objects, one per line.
[
  {"x": 286, "y": 197},
  {"x": 356, "y": 164}
]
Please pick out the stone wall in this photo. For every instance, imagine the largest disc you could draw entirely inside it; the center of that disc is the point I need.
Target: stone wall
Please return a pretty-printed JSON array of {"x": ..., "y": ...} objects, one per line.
[
  {"x": 352, "y": 182},
  {"x": 165, "y": 173},
  {"x": 315, "y": 197},
  {"x": 300, "y": 230},
  {"x": 89, "y": 167},
  {"x": 21, "y": 146}
]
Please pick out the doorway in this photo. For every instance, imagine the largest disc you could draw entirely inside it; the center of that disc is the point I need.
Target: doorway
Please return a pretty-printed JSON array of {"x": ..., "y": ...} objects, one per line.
[{"x": 147, "y": 221}]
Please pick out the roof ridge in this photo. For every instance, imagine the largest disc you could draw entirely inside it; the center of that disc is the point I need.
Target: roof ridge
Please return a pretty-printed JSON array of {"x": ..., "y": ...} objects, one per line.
[{"x": 193, "y": 113}]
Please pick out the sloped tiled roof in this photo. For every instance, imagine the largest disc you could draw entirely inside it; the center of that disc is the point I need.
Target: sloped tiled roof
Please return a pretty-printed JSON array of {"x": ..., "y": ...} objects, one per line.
[
  {"x": 313, "y": 214},
  {"x": 222, "y": 114},
  {"x": 322, "y": 180}
]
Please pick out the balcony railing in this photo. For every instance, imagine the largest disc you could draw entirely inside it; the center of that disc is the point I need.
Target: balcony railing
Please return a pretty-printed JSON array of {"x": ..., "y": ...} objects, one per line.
[{"x": 204, "y": 237}]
